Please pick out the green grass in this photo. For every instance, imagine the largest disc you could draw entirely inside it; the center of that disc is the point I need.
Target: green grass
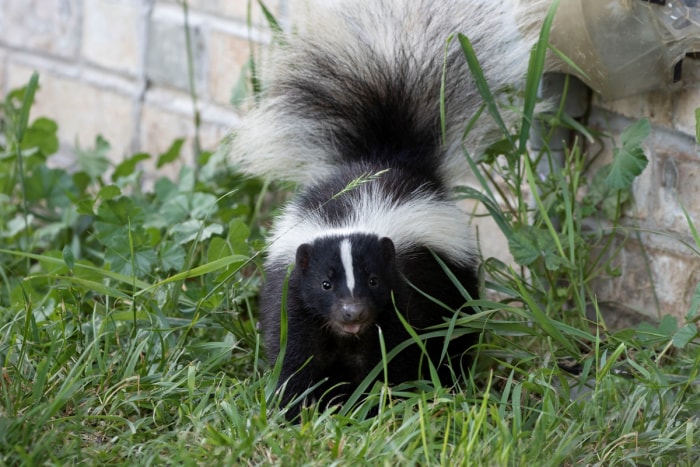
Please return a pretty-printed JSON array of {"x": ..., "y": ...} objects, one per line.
[
  {"x": 127, "y": 328},
  {"x": 97, "y": 389}
]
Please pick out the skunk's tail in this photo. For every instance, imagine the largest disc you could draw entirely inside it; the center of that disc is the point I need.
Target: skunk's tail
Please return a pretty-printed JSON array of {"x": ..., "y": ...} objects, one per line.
[{"x": 361, "y": 82}]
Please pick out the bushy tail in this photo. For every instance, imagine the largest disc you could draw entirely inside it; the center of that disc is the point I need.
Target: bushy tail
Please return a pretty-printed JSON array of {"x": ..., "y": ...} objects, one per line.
[{"x": 362, "y": 81}]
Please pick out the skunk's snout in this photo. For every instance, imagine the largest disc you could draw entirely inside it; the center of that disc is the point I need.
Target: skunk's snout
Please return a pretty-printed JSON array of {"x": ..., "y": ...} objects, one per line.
[
  {"x": 353, "y": 312},
  {"x": 351, "y": 317}
]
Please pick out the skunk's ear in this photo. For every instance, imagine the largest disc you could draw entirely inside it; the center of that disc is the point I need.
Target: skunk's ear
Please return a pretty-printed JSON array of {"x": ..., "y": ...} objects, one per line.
[
  {"x": 388, "y": 250},
  {"x": 303, "y": 257}
]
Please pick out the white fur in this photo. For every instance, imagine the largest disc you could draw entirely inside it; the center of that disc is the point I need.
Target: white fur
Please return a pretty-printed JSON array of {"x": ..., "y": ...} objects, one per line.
[
  {"x": 346, "y": 259},
  {"x": 271, "y": 142},
  {"x": 404, "y": 37},
  {"x": 422, "y": 220}
]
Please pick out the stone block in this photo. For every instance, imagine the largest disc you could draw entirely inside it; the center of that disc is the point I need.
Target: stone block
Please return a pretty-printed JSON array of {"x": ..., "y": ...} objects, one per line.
[
  {"x": 491, "y": 241},
  {"x": 166, "y": 56},
  {"x": 114, "y": 34},
  {"x": 689, "y": 192},
  {"x": 81, "y": 110},
  {"x": 652, "y": 281},
  {"x": 657, "y": 106},
  {"x": 158, "y": 129},
  {"x": 675, "y": 280},
  {"x": 46, "y": 27},
  {"x": 236, "y": 9},
  {"x": 686, "y": 101},
  {"x": 633, "y": 288},
  {"x": 670, "y": 183},
  {"x": 166, "y": 117},
  {"x": 691, "y": 70},
  {"x": 667, "y": 209},
  {"x": 668, "y": 178},
  {"x": 228, "y": 55},
  {"x": 644, "y": 189},
  {"x": 3, "y": 58}
]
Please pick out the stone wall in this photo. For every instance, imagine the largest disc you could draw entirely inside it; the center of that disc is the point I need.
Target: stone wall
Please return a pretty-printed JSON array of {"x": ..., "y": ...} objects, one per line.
[
  {"x": 119, "y": 68},
  {"x": 657, "y": 273}
]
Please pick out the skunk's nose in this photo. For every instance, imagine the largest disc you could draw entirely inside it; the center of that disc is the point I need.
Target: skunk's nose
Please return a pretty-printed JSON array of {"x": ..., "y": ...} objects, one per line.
[{"x": 353, "y": 312}]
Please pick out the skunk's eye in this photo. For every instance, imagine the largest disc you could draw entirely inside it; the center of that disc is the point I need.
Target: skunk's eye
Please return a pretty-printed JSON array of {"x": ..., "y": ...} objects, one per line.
[
  {"x": 373, "y": 281},
  {"x": 326, "y": 285}
]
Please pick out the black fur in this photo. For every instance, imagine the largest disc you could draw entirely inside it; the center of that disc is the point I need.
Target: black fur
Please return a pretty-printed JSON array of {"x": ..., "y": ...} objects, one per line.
[
  {"x": 317, "y": 347},
  {"x": 353, "y": 94}
]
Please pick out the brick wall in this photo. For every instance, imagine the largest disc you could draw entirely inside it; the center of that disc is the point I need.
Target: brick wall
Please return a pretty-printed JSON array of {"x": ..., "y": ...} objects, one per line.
[
  {"x": 118, "y": 68},
  {"x": 658, "y": 272}
]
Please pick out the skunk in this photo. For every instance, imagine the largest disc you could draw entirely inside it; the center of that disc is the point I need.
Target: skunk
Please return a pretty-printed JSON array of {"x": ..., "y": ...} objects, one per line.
[{"x": 351, "y": 113}]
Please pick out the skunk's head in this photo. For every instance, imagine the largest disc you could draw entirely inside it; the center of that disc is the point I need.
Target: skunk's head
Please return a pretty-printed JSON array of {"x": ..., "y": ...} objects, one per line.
[{"x": 346, "y": 281}]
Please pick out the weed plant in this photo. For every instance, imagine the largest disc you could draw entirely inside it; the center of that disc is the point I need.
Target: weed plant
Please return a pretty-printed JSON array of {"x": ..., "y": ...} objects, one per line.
[{"x": 127, "y": 323}]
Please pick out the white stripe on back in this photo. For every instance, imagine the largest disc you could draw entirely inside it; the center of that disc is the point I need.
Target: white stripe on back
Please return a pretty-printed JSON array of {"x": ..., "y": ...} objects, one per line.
[{"x": 346, "y": 258}]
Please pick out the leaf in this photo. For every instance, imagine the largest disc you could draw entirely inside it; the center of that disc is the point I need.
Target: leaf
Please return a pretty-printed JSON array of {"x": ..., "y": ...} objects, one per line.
[
  {"x": 691, "y": 225},
  {"x": 694, "y": 305},
  {"x": 27, "y": 100},
  {"x": 51, "y": 268},
  {"x": 15, "y": 225},
  {"x": 194, "y": 229},
  {"x": 603, "y": 197},
  {"x": 635, "y": 134},
  {"x": 501, "y": 147},
  {"x": 164, "y": 189},
  {"x": 523, "y": 246},
  {"x": 95, "y": 286},
  {"x": 128, "y": 166},
  {"x": 684, "y": 335},
  {"x": 241, "y": 89},
  {"x": 174, "y": 210},
  {"x": 81, "y": 180},
  {"x": 534, "y": 75},
  {"x": 650, "y": 334},
  {"x": 668, "y": 325},
  {"x": 697, "y": 125},
  {"x": 201, "y": 205},
  {"x": 218, "y": 248},
  {"x": 52, "y": 185},
  {"x": 188, "y": 205},
  {"x": 108, "y": 192},
  {"x": 172, "y": 256},
  {"x": 68, "y": 257},
  {"x": 127, "y": 262},
  {"x": 236, "y": 243},
  {"x": 82, "y": 268},
  {"x": 481, "y": 84},
  {"x": 528, "y": 244},
  {"x": 467, "y": 192},
  {"x": 171, "y": 154},
  {"x": 94, "y": 161},
  {"x": 629, "y": 160},
  {"x": 51, "y": 231},
  {"x": 42, "y": 134},
  {"x": 551, "y": 327},
  {"x": 198, "y": 271},
  {"x": 114, "y": 217},
  {"x": 238, "y": 233},
  {"x": 271, "y": 20}
]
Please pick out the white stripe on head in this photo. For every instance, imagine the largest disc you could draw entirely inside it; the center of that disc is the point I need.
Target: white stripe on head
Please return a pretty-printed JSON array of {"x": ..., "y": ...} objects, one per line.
[{"x": 346, "y": 259}]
